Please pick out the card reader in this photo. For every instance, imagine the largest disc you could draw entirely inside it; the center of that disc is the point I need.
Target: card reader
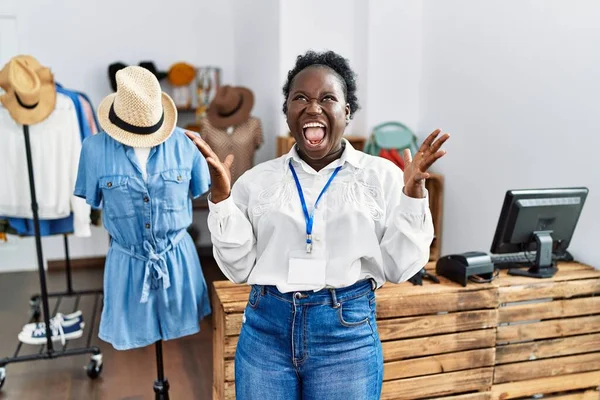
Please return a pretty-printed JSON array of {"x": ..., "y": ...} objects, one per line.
[{"x": 459, "y": 267}]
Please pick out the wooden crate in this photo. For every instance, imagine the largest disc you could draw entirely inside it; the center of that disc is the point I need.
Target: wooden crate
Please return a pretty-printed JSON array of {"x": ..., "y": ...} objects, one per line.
[
  {"x": 548, "y": 335},
  {"x": 438, "y": 340},
  {"x": 435, "y": 187}
]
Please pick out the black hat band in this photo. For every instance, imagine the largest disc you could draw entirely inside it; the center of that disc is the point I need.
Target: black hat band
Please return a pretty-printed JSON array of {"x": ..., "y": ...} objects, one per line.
[
  {"x": 29, "y": 107},
  {"x": 140, "y": 130}
]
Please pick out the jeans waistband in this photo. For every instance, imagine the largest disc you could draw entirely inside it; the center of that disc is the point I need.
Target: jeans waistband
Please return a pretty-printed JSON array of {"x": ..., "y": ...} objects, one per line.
[
  {"x": 323, "y": 296},
  {"x": 155, "y": 262}
]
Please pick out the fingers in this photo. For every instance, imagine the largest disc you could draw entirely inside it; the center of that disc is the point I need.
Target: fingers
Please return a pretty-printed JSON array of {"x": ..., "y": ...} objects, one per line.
[
  {"x": 428, "y": 162},
  {"x": 429, "y": 140},
  {"x": 213, "y": 163},
  {"x": 407, "y": 157},
  {"x": 420, "y": 176},
  {"x": 439, "y": 142},
  {"x": 433, "y": 152},
  {"x": 204, "y": 148},
  {"x": 228, "y": 161}
]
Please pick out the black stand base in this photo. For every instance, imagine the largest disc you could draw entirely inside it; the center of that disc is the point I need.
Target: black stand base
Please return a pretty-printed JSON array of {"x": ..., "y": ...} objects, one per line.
[
  {"x": 161, "y": 389},
  {"x": 161, "y": 384},
  {"x": 534, "y": 272},
  {"x": 543, "y": 266}
]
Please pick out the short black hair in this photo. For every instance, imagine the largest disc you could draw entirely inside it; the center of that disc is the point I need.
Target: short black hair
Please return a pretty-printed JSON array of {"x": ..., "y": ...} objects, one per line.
[{"x": 335, "y": 62}]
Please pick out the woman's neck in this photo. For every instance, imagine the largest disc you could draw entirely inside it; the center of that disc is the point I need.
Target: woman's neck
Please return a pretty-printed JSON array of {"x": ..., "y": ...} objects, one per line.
[{"x": 319, "y": 164}]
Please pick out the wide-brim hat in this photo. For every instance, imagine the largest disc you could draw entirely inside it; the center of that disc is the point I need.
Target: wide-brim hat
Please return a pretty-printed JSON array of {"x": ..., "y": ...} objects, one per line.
[
  {"x": 30, "y": 92},
  {"x": 230, "y": 107},
  {"x": 139, "y": 114},
  {"x": 149, "y": 65}
]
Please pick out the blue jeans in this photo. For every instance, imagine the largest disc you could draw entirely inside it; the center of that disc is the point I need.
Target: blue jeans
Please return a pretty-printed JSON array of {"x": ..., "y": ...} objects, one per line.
[{"x": 309, "y": 345}]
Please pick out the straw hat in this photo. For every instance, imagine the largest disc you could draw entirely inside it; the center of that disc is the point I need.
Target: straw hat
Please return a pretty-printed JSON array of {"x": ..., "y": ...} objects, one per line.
[
  {"x": 30, "y": 91},
  {"x": 230, "y": 107},
  {"x": 139, "y": 114}
]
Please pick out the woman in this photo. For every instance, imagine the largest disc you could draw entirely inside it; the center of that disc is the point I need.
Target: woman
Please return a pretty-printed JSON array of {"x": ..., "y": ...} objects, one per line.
[{"x": 309, "y": 329}]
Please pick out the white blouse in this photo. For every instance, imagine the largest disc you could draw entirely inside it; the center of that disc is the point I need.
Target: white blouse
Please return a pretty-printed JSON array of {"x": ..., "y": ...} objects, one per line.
[
  {"x": 364, "y": 222},
  {"x": 55, "y": 152}
]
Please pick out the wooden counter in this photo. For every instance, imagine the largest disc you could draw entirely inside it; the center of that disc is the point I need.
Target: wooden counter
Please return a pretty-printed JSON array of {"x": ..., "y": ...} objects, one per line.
[{"x": 511, "y": 339}]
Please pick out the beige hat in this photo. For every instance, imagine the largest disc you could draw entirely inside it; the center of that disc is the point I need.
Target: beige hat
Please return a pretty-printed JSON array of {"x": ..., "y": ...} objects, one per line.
[
  {"x": 139, "y": 114},
  {"x": 30, "y": 91}
]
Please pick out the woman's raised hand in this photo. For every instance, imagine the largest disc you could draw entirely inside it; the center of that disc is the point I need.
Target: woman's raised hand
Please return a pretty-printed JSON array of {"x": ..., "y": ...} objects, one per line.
[{"x": 220, "y": 172}]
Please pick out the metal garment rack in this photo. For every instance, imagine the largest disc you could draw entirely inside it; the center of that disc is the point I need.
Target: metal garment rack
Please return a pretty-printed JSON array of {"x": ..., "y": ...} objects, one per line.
[{"x": 47, "y": 350}]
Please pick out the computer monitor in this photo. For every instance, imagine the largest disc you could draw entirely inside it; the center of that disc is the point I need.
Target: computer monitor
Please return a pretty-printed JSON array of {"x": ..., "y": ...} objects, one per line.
[{"x": 540, "y": 220}]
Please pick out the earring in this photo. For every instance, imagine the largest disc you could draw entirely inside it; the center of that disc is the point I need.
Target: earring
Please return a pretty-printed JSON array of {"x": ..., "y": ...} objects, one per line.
[{"x": 348, "y": 118}]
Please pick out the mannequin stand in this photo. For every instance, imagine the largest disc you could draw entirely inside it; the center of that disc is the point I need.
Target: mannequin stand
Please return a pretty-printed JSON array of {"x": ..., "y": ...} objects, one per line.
[
  {"x": 161, "y": 384},
  {"x": 47, "y": 351}
]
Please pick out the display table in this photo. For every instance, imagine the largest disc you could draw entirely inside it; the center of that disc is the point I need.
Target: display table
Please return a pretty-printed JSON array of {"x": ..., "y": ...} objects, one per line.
[{"x": 482, "y": 341}]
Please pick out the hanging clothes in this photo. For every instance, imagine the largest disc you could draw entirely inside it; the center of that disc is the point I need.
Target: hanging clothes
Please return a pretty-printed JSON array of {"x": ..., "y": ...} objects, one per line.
[
  {"x": 84, "y": 127},
  {"x": 95, "y": 126},
  {"x": 154, "y": 286},
  {"x": 55, "y": 149},
  {"x": 88, "y": 125},
  {"x": 90, "y": 117}
]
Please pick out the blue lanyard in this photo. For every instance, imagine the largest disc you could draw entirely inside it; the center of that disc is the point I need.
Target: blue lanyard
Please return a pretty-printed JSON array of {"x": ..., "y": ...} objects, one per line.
[{"x": 310, "y": 217}]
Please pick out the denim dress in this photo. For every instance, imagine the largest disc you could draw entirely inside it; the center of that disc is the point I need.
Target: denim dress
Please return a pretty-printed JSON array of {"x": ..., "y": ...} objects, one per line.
[{"x": 154, "y": 287}]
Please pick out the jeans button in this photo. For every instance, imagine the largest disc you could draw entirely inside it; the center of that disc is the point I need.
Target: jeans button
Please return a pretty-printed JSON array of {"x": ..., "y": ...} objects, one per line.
[{"x": 146, "y": 199}]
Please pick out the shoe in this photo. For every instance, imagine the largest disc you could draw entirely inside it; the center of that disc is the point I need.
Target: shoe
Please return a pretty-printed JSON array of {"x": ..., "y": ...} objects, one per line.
[
  {"x": 61, "y": 330},
  {"x": 65, "y": 317}
]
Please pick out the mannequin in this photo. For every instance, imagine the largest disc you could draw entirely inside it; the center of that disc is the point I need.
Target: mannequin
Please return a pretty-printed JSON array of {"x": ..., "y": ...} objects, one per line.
[{"x": 154, "y": 286}]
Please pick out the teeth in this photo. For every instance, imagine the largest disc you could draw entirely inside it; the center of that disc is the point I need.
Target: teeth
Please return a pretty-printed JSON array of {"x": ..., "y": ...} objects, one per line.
[{"x": 313, "y": 125}]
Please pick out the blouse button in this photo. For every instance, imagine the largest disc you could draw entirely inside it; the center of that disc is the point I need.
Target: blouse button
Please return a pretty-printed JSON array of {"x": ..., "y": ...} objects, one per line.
[
  {"x": 146, "y": 199},
  {"x": 109, "y": 184},
  {"x": 147, "y": 226}
]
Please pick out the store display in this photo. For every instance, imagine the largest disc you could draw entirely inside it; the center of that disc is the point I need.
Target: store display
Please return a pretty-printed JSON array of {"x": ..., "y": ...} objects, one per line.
[
  {"x": 77, "y": 315},
  {"x": 149, "y": 65},
  {"x": 47, "y": 150},
  {"x": 155, "y": 286},
  {"x": 180, "y": 76},
  {"x": 62, "y": 330},
  {"x": 208, "y": 83},
  {"x": 112, "y": 72},
  {"x": 30, "y": 92},
  {"x": 229, "y": 128},
  {"x": 117, "y": 66}
]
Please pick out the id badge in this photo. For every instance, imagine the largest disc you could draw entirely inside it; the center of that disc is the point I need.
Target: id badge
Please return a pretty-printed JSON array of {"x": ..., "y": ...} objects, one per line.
[{"x": 307, "y": 268}]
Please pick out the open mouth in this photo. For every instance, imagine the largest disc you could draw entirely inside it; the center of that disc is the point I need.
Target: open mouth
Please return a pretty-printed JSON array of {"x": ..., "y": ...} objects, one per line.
[{"x": 314, "y": 133}]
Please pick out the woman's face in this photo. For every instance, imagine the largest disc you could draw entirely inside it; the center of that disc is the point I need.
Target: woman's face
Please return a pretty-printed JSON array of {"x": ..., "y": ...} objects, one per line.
[{"x": 317, "y": 111}]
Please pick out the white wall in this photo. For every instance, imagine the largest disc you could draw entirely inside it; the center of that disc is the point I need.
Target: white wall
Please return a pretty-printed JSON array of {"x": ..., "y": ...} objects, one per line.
[
  {"x": 516, "y": 83},
  {"x": 395, "y": 45},
  {"x": 337, "y": 25},
  {"x": 257, "y": 52},
  {"x": 79, "y": 39}
]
